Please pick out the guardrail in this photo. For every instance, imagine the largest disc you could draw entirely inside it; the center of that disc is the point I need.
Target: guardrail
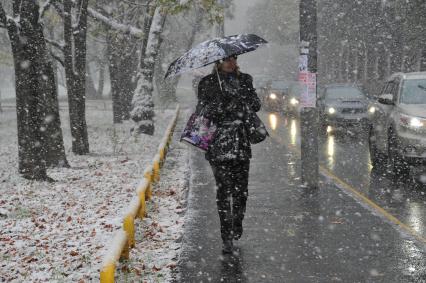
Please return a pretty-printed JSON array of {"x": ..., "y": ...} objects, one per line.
[{"x": 124, "y": 239}]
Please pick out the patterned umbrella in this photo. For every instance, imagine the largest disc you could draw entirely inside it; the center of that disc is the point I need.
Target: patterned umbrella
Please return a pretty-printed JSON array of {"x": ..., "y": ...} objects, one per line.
[{"x": 214, "y": 50}]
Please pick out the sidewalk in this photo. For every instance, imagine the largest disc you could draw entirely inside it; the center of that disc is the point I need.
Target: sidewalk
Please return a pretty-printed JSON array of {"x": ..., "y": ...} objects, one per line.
[{"x": 291, "y": 234}]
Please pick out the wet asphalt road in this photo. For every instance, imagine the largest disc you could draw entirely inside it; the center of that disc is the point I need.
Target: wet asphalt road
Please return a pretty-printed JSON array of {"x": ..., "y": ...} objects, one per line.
[
  {"x": 346, "y": 156},
  {"x": 292, "y": 234}
]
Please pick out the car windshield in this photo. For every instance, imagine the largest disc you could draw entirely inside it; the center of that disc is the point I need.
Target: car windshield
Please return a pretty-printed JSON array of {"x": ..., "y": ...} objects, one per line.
[
  {"x": 279, "y": 85},
  {"x": 414, "y": 92},
  {"x": 342, "y": 93}
]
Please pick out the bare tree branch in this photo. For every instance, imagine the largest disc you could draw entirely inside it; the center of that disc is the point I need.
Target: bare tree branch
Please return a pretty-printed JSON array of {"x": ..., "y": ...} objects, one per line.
[
  {"x": 17, "y": 8},
  {"x": 57, "y": 58},
  {"x": 56, "y": 44},
  {"x": 58, "y": 8},
  {"x": 6, "y": 20},
  {"x": 44, "y": 7},
  {"x": 127, "y": 29},
  {"x": 3, "y": 17}
]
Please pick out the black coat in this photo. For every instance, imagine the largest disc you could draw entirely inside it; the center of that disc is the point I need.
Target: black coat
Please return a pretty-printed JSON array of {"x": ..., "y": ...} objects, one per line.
[{"x": 228, "y": 109}]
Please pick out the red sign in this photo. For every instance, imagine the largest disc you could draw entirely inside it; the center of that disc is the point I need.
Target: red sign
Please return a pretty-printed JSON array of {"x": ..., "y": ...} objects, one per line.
[{"x": 309, "y": 94}]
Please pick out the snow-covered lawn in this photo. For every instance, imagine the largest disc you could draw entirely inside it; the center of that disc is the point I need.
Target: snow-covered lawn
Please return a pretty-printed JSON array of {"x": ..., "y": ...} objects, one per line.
[{"x": 57, "y": 232}]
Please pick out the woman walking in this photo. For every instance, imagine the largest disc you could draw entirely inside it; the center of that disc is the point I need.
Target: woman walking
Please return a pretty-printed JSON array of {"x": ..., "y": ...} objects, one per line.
[{"x": 226, "y": 97}]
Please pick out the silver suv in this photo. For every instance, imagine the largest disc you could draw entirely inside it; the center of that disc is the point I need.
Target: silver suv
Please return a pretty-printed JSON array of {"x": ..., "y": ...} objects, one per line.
[{"x": 398, "y": 123}]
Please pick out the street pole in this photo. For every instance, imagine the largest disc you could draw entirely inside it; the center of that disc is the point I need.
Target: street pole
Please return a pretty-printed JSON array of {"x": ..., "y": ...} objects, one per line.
[{"x": 308, "y": 69}]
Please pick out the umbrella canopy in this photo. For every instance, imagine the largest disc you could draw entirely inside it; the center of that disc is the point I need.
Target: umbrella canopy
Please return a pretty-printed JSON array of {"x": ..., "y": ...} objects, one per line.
[{"x": 214, "y": 50}]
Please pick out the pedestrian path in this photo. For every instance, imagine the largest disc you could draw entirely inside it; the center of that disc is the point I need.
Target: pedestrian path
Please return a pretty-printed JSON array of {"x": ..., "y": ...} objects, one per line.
[{"x": 292, "y": 234}]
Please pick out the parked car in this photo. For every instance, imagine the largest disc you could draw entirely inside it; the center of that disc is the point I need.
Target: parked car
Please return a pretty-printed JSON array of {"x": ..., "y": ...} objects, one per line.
[
  {"x": 398, "y": 129},
  {"x": 343, "y": 106},
  {"x": 276, "y": 93}
]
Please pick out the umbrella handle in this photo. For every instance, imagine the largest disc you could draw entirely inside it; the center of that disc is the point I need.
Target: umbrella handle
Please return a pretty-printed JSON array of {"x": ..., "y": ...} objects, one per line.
[{"x": 218, "y": 77}]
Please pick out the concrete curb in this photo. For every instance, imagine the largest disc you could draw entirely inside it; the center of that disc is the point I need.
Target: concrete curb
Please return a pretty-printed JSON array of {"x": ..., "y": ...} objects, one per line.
[{"x": 124, "y": 239}]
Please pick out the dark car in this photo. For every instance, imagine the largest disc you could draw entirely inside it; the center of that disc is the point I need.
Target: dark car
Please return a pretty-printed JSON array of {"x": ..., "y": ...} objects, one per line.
[
  {"x": 275, "y": 96},
  {"x": 343, "y": 106},
  {"x": 292, "y": 101}
]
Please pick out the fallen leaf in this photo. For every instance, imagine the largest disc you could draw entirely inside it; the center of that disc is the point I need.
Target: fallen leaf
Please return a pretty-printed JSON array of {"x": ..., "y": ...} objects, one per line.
[
  {"x": 338, "y": 221},
  {"x": 137, "y": 271},
  {"x": 29, "y": 259},
  {"x": 172, "y": 265}
]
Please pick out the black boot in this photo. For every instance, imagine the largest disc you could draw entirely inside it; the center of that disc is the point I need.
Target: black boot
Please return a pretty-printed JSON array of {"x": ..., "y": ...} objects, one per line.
[
  {"x": 237, "y": 228},
  {"x": 228, "y": 246}
]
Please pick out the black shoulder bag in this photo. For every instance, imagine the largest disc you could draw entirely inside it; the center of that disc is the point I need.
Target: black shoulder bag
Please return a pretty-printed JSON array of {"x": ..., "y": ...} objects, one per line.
[{"x": 256, "y": 129}]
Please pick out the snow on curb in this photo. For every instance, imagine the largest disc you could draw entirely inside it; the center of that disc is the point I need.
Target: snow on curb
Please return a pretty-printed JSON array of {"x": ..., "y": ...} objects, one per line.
[
  {"x": 118, "y": 250},
  {"x": 156, "y": 253}
]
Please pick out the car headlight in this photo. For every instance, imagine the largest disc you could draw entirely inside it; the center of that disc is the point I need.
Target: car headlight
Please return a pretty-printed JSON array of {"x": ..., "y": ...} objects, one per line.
[
  {"x": 372, "y": 110},
  {"x": 273, "y": 96},
  {"x": 294, "y": 101},
  {"x": 331, "y": 110},
  {"x": 412, "y": 122}
]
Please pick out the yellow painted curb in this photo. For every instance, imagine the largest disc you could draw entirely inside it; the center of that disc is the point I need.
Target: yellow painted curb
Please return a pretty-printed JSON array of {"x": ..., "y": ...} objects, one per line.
[
  {"x": 149, "y": 173},
  {"x": 107, "y": 273},
  {"x": 156, "y": 168},
  {"x": 125, "y": 238},
  {"x": 129, "y": 227},
  {"x": 142, "y": 191},
  {"x": 129, "y": 220},
  {"x": 118, "y": 250}
]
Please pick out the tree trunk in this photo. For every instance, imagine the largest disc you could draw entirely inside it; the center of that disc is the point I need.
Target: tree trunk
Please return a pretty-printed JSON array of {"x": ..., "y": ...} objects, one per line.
[
  {"x": 101, "y": 82},
  {"x": 423, "y": 61},
  {"x": 351, "y": 63},
  {"x": 361, "y": 63},
  {"x": 75, "y": 71},
  {"x": 30, "y": 106},
  {"x": 55, "y": 150},
  {"x": 142, "y": 105},
  {"x": 114, "y": 74},
  {"x": 40, "y": 137},
  {"x": 90, "y": 85},
  {"x": 122, "y": 51},
  {"x": 382, "y": 62}
]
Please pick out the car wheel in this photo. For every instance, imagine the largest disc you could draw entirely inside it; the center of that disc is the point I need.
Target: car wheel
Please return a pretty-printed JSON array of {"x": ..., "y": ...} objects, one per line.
[
  {"x": 375, "y": 156},
  {"x": 397, "y": 164}
]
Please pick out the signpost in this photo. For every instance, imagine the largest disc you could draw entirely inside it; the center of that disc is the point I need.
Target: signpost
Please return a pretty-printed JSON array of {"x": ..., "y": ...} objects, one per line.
[{"x": 308, "y": 78}]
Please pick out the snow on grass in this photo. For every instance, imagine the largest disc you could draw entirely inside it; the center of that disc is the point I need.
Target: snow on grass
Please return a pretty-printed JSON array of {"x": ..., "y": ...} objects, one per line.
[
  {"x": 158, "y": 236},
  {"x": 58, "y": 231}
]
